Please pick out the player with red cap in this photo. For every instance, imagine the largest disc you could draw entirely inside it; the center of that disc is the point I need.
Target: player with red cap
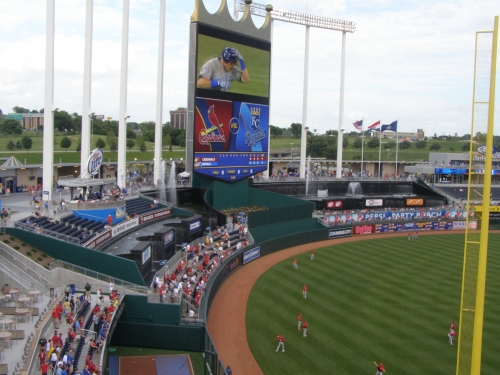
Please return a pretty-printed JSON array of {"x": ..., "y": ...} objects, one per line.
[
  {"x": 305, "y": 328},
  {"x": 452, "y": 326},
  {"x": 281, "y": 342},
  {"x": 380, "y": 368},
  {"x": 304, "y": 291},
  {"x": 300, "y": 321},
  {"x": 295, "y": 264},
  {"x": 312, "y": 254}
]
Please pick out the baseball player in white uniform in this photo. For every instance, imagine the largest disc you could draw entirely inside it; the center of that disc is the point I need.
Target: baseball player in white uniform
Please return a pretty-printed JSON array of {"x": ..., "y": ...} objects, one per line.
[{"x": 219, "y": 72}]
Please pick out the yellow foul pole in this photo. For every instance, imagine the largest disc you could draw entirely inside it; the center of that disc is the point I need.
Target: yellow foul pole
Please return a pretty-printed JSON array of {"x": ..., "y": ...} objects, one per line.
[{"x": 483, "y": 246}]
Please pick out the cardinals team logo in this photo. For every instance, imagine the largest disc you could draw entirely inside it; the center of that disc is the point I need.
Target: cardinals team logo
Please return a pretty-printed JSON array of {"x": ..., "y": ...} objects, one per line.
[{"x": 215, "y": 133}]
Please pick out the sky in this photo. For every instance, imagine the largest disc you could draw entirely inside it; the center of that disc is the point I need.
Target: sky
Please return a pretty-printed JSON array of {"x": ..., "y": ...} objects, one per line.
[{"x": 411, "y": 61}]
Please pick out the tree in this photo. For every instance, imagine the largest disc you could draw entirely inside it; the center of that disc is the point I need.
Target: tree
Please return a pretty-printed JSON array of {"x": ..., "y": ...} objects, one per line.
[
  {"x": 168, "y": 142},
  {"x": 358, "y": 142},
  {"x": 421, "y": 145},
  {"x": 131, "y": 133},
  {"x": 27, "y": 142},
  {"x": 143, "y": 147},
  {"x": 10, "y": 145},
  {"x": 330, "y": 152},
  {"x": 345, "y": 142},
  {"x": 405, "y": 145},
  {"x": 373, "y": 143},
  {"x": 110, "y": 137},
  {"x": 11, "y": 126},
  {"x": 148, "y": 135},
  {"x": 275, "y": 131},
  {"x": 113, "y": 147},
  {"x": 19, "y": 146},
  {"x": 147, "y": 126},
  {"x": 100, "y": 143},
  {"x": 316, "y": 146},
  {"x": 63, "y": 121},
  {"x": 296, "y": 129},
  {"x": 130, "y": 143},
  {"x": 17, "y": 109},
  {"x": 133, "y": 125},
  {"x": 65, "y": 142},
  {"x": 466, "y": 147},
  {"x": 435, "y": 146},
  {"x": 390, "y": 144}
]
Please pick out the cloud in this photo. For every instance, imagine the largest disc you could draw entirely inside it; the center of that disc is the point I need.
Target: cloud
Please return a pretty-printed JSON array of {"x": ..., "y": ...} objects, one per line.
[{"x": 407, "y": 60}]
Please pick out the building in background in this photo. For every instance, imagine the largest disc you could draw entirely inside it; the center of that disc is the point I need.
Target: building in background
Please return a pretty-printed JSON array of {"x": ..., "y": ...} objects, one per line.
[
  {"x": 178, "y": 118},
  {"x": 28, "y": 121}
]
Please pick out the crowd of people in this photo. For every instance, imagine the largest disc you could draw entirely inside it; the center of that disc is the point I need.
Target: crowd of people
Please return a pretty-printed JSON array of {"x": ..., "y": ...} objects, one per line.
[
  {"x": 192, "y": 272},
  {"x": 57, "y": 354}
]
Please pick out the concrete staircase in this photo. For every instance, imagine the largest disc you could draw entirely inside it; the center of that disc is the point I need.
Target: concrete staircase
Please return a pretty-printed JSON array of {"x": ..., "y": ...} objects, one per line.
[{"x": 22, "y": 278}]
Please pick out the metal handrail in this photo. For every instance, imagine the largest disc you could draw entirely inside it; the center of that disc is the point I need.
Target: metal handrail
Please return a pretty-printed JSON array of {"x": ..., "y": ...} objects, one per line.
[
  {"x": 140, "y": 289},
  {"x": 46, "y": 232},
  {"x": 85, "y": 205},
  {"x": 28, "y": 266}
]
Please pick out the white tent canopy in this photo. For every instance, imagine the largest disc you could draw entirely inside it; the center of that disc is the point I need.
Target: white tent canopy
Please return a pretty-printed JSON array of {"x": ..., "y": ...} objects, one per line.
[{"x": 184, "y": 174}]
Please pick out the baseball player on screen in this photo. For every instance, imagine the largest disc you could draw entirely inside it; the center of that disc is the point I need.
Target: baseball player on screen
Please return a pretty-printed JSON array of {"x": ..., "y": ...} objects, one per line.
[{"x": 219, "y": 72}]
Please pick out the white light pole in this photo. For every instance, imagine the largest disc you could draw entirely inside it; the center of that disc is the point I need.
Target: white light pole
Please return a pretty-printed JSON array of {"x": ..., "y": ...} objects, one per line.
[
  {"x": 87, "y": 89},
  {"x": 159, "y": 95},
  {"x": 122, "y": 124},
  {"x": 48, "y": 127}
]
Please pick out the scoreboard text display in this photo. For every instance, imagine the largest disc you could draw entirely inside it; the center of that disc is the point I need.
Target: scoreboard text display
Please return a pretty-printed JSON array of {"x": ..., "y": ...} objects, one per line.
[{"x": 231, "y": 125}]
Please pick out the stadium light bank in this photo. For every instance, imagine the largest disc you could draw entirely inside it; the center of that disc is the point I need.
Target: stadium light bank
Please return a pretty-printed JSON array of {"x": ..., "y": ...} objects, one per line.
[{"x": 309, "y": 21}]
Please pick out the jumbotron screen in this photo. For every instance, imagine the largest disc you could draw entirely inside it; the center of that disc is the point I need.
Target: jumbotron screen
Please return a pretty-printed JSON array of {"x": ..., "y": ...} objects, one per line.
[{"x": 231, "y": 125}]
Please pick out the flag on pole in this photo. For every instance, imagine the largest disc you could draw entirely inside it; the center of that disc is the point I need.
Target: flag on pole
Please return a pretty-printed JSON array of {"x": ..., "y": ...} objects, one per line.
[
  {"x": 374, "y": 125},
  {"x": 393, "y": 126},
  {"x": 358, "y": 125}
]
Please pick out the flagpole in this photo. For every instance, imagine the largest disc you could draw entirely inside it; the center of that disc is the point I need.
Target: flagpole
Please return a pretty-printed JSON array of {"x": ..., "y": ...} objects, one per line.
[
  {"x": 397, "y": 147},
  {"x": 362, "y": 144},
  {"x": 379, "y": 148}
]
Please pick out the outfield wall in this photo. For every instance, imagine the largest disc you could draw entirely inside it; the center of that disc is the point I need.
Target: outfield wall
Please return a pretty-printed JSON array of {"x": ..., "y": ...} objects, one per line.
[{"x": 156, "y": 325}]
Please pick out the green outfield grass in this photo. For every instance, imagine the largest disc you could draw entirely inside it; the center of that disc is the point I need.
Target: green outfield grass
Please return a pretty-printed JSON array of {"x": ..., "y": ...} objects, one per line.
[{"x": 385, "y": 300}]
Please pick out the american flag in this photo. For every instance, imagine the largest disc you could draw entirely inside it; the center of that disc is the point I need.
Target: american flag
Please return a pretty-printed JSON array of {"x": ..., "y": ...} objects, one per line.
[{"x": 358, "y": 125}]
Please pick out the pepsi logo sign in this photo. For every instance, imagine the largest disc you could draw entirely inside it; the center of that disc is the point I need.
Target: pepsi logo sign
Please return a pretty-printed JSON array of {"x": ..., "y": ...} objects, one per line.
[{"x": 95, "y": 161}]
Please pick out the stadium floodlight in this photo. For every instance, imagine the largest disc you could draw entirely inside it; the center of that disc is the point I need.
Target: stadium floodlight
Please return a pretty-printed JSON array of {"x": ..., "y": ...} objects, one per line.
[
  {"x": 308, "y": 21},
  {"x": 299, "y": 18}
]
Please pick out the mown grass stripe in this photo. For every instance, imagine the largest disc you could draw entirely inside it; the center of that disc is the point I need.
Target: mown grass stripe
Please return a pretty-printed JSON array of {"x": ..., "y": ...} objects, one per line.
[{"x": 383, "y": 300}]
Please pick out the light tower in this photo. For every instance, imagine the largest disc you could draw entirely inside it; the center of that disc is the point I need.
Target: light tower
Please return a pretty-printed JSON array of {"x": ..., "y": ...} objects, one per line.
[{"x": 309, "y": 21}]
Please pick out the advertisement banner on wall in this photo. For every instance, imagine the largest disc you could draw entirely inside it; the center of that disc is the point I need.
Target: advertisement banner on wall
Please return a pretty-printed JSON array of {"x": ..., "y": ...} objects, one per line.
[
  {"x": 414, "y": 201},
  {"x": 340, "y": 232},
  {"x": 194, "y": 226},
  {"x": 374, "y": 202},
  {"x": 334, "y": 204},
  {"x": 250, "y": 255},
  {"x": 363, "y": 229},
  {"x": 339, "y": 219},
  {"x": 459, "y": 225},
  {"x": 154, "y": 216},
  {"x": 472, "y": 224}
]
